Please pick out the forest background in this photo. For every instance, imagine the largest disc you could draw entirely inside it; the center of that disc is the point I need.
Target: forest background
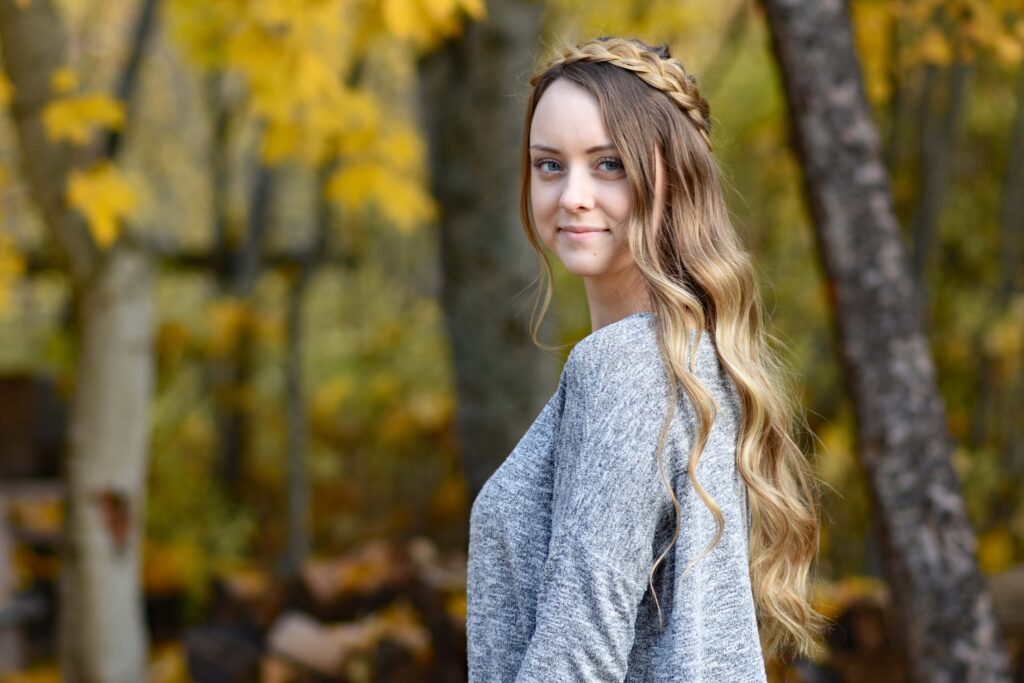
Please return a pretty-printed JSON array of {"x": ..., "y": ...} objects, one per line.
[{"x": 248, "y": 273}]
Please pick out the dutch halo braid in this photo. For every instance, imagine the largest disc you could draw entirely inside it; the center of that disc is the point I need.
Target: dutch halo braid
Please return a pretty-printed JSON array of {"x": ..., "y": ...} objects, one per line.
[{"x": 655, "y": 66}]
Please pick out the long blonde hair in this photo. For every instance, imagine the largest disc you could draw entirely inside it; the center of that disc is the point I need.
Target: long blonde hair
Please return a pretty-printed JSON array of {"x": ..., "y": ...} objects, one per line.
[{"x": 692, "y": 262}]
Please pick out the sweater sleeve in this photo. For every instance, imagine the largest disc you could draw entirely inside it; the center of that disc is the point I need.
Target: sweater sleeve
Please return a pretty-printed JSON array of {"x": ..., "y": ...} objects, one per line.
[{"x": 607, "y": 502}]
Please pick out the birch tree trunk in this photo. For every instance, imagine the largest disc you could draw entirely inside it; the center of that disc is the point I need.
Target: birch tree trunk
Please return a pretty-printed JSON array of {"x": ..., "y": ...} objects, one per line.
[
  {"x": 473, "y": 101},
  {"x": 929, "y": 546},
  {"x": 103, "y": 634}
]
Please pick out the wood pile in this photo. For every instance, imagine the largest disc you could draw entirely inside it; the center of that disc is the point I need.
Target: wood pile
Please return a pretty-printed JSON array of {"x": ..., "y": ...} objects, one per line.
[{"x": 385, "y": 612}]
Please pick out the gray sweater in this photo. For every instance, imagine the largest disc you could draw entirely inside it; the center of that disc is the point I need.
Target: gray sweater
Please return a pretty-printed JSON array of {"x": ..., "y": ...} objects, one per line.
[{"x": 564, "y": 533}]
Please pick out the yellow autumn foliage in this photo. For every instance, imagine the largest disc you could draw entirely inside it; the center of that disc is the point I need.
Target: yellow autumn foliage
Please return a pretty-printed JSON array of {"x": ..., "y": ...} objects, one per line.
[
  {"x": 1003, "y": 341},
  {"x": 12, "y": 267},
  {"x": 168, "y": 664},
  {"x": 831, "y": 599},
  {"x": 328, "y": 399},
  {"x": 228, "y": 319},
  {"x": 104, "y": 197},
  {"x": 296, "y": 60},
  {"x": 75, "y": 118},
  {"x": 6, "y": 91},
  {"x": 169, "y": 567},
  {"x": 995, "y": 550},
  {"x": 872, "y": 24},
  {"x": 934, "y": 47},
  {"x": 44, "y": 674},
  {"x": 987, "y": 29},
  {"x": 426, "y": 22},
  {"x": 64, "y": 80},
  {"x": 403, "y": 201}
]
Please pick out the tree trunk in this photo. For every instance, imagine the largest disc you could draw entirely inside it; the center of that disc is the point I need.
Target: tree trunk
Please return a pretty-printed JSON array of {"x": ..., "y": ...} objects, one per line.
[
  {"x": 32, "y": 38},
  {"x": 939, "y": 594},
  {"x": 103, "y": 634},
  {"x": 938, "y": 142},
  {"x": 473, "y": 100},
  {"x": 298, "y": 491},
  {"x": 1011, "y": 216}
]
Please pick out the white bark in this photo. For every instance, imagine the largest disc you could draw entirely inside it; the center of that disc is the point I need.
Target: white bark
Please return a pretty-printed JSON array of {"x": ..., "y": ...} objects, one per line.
[{"x": 103, "y": 635}]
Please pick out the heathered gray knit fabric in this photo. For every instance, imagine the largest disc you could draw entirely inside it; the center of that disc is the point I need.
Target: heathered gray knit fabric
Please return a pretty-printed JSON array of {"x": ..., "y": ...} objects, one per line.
[{"x": 563, "y": 534}]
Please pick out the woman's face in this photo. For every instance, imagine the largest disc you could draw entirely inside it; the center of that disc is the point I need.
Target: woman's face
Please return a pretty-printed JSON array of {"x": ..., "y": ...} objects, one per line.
[{"x": 579, "y": 190}]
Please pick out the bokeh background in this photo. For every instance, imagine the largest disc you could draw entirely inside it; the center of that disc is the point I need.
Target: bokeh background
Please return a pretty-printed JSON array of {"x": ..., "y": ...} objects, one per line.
[{"x": 265, "y": 311}]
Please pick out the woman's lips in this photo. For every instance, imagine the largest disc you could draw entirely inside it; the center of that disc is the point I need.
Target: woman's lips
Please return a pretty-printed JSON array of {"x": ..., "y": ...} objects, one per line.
[{"x": 581, "y": 235}]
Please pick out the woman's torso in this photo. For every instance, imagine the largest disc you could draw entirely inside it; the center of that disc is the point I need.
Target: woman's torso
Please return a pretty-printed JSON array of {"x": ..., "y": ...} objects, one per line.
[{"x": 709, "y": 630}]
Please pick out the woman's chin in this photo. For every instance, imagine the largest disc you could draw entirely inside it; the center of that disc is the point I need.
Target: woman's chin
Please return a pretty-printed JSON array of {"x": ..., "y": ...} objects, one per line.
[{"x": 585, "y": 267}]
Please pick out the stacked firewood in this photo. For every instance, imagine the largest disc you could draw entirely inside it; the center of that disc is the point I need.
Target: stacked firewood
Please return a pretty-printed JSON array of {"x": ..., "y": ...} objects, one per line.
[{"x": 385, "y": 612}]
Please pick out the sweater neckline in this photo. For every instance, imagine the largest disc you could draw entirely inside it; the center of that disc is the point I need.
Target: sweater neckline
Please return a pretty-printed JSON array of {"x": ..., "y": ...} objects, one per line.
[
  {"x": 623, "y": 320},
  {"x": 631, "y": 318}
]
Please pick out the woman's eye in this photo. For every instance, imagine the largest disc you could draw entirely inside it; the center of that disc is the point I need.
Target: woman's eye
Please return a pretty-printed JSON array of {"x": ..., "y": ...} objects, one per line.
[
  {"x": 544, "y": 167},
  {"x": 610, "y": 164}
]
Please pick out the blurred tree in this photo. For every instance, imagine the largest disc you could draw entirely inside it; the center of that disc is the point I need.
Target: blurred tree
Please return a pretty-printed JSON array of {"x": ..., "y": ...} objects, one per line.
[
  {"x": 904, "y": 443},
  {"x": 295, "y": 66},
  {"x": 472, "y": 94},
  {"x": 103, "y": 637},
  {"x": 301, "y": 71}
]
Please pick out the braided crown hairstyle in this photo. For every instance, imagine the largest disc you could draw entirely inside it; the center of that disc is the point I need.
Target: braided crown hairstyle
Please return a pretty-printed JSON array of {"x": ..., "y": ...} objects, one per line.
[
  {"x": 653, "y": 65},
  {"x": 693, "y": 265}
]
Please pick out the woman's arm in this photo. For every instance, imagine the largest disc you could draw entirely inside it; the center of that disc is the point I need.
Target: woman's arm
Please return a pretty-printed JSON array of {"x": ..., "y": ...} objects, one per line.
[{"x": 608, "y": 500}]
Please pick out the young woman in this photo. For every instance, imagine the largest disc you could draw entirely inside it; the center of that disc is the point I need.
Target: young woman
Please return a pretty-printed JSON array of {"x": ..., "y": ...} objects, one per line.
[{"x": 657, "y": 522}]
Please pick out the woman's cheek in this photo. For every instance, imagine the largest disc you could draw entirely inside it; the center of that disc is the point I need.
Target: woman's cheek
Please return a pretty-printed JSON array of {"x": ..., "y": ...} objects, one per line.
[{"x": 545, "y": 211}]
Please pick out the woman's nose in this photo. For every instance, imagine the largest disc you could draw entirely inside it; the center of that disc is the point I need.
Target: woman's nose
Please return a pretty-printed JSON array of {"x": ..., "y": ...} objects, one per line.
[{"x": 578, "y": 193}]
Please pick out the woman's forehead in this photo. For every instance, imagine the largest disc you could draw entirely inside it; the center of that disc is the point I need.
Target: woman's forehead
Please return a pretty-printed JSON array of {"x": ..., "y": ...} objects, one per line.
[{"x": 568, "y": 119}]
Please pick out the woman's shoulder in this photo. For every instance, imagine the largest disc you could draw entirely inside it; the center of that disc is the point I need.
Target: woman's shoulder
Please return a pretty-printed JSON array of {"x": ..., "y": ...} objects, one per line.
[
  {"x": 621, "y": 366},
  {"x": 626, "y": 344},
  {"x": 628, "y": 349}
]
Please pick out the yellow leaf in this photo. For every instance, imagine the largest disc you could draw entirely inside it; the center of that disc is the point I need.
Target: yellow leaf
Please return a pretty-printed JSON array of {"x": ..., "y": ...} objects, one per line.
[
  {"x": 400, "y": 622},
  {"x": 43, "y": 674},
  {"x": 1004, "y": 337},
  {"x": 403, "y": 18},
  {"x": 995, "y": 551},
  {"x": 935, "y": 48},
  {"x": 449, "y": 499},
  {"x": 403, "y": 201},
  {"x": 12, "y": 265},
  {"x": 229, "y": 318},
  {"x": 474, "y": 8},
  {"x": 455, "y": 606},
  {"x": 425, "y": 22},
  {"x": 104, "y": 197},
  {"x": 6, "y": 91},
  {"x": 328, "y": 399},
  {"x": 872, "y": 27},
  {"x": 75, "y": 118},
  {"x": 1007, "y": 48},
  {"x": 170, "y": 566},
  {"x": 280, "y": 140},
  {"x": 168, "y": 665},
  {"x": 440, "y": 11},
  {"x": 402, "y": 148},
  {"x": 64, "y": 80}
]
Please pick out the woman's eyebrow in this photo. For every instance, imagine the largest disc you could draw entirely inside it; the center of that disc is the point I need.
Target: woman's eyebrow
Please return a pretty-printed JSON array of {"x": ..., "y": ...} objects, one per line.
[{"x": 590, "y": 150}]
